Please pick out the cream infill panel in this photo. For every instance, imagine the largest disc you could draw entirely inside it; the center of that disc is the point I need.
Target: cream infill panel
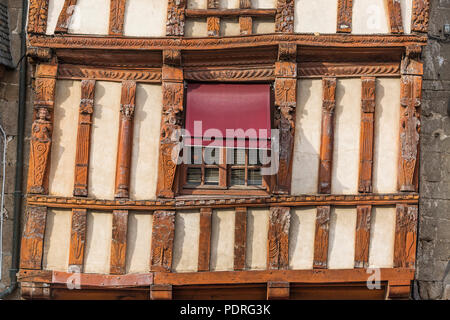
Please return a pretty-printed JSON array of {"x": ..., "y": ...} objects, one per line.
[
  {"x": 139, "y": 242},
  {"x": 145, "y": 18},
  {"x": 57, "y": 240},
  {"x": 186, "y": 242},
  {"x": 382, "y": 235},
  {"x": 369, "y": 17},
  {"x": 257, "y": 231},
  {"x": 301, "y": 238},
  {"x": 222, "y": 240},
  {"x": 315, "y": 16},
  {"x": 54, "y": 10},
  {"x": 98, "y": 242},
  {"x": 90, "y": 17},
  {"x": 341, "y": 248}
]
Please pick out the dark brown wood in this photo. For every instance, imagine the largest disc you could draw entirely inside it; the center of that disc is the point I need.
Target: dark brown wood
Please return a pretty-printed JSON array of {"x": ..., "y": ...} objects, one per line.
[
  {"x": 367, "y": 134},
  {"x": 35, "y": 291},
  {"x": 204, "y": 13},
  {"x": 33, "y": 238},
  {"x": 175, "y": 17},
  {"x": 284, "y": 19},
  {"x": 277, "y": 290},
  {"x": 420, "y": 15},
  {"x": 127, "y": 106},
  {"x": 405, "y": 236},
  {"x": 37, "y": 16},
  {"x": 240, "y": 238},
  {"x": 161, "y": 292},
  {"x": 86, "y": 111},
  {"x": 398, "y": 290},
  {"x": 362, "y": 238},
  {"x": 119, "y": 242},
  {"x": 395, "y": 16},
  {"x": 278, "y": 238},
  {"x": 163, "y": 233},
  {"x": 62, "y": 26},
  {"x": 204, "y": 249},
  {"x": 116, "y": 17},
  {"x": 75, "y": 72},
  {"x": 344, "y": 16},
  {"x": 77, "y": 240},
  {"x": 327, "y": 135},
  {"x": 321, "y": 237}
]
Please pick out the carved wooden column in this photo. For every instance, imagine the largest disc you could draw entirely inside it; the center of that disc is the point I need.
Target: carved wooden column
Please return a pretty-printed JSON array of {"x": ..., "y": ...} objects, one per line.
[
  {"x": 33, "y": 238},
  {"x": 278, "y": 238},
  {"x": 344, "y": 17},
  {"x": 362, "y": 238},
  {"x": 173, "y": 97},
  {"x": 213, "y": 23},
  {"x": 395, "y": 16},
  {"x": 116, "y": 17},
  {"x": 119, "y": 242},
  {"x": 77, "y": 240},
  {"x": 127, "y": 106},
  {"x": 405, "y": 236},
  {"x": 284, "y": 19},
  {"x": 286, "y": 103},
  {"x": 65, "y": 16},
  {"x": 420, "y": 15},
  {"x": 42, "y": 128},
  {"x": 37, "y": 16},
  {"x": 240, "y": 238},
  {"x": 84, "y": 138},
  {"x": 321, "y": 237},
  {"x": 327, "y": 135},
  {"x": 175, "y": 17},
  {"x": 245, "y": 22},
  {"x": 162, "y": 241}
]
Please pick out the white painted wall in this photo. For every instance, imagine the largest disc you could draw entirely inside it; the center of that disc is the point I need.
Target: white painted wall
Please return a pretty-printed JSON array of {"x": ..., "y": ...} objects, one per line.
[
  {"x": 54, "y": 9},
  {"x": 257, "y": 231},
  {"x": 145, "y": 18},
  {"x": 315, "y": 16},
  {"x": 90, "y": 17},
  {"x": 382, "y": 234},
  {"x": 186, "y": 241},
  {"x": 301, "y": 238},
  {"x": 139, "y": 242},
  {"x": 98, "y": 242},
  {"x": 341, "y": 247},
  {"x": 57, "y": 240},
  {"x": 222, "y": 240},
  {"x": 369, "y": 17}
]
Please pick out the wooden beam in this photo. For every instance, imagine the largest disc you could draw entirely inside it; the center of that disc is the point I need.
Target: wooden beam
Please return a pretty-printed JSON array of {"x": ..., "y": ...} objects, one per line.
[
  {"x": 163, "y": 233},
  {"x": 240, "y": 238},
  {"x": 395, "y": 16},
  {"x": 420, "y": 15},
  {"x": 327, "y": 134},
  {"x": 398, "y": 290},
  {"x": 37, "y": 16},
  {"x": 321, "y": 237},
  {"x": 175, "y": 17},
  {"x": 35, "y": 291},
  {"x": 284, "y": 19},
  {"x": 278, "y": 238},
  {"x": 123, "y": 166},
  {"x": 116, "y": 17},
  {"x": 344, "y": 16},
  {"x": 228, "y": 13},
  {"x": 277, "y": 290},
  {"x": 77, "y": 240},
  {"x": 86, "y": 111},
  {"x": 362, "y": 238},
  {"x": 62, "y": 26},
  {"x": 367, "y": 134},
  {"x": 204, "y": 239},
  {"x": 119, "y": 242},
  {"x": 405, "y": 236},
  {"x": 33, "y": 238},
  {"x": 161, "y": 292}
]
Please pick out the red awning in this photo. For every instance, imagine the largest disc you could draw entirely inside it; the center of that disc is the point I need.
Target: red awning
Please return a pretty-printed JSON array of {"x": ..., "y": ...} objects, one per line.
[{"x": 237, "y": 112}]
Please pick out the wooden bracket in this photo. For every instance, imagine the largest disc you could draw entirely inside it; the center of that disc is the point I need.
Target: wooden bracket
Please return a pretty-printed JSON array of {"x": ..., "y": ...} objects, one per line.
[
  {"x": 398, "y": 290},
  {"x": 160, "y": 292},
  {"x": 278, "y": 290}
]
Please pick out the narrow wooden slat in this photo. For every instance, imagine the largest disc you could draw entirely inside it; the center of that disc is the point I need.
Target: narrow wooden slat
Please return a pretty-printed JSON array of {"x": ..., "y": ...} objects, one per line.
[
  {"x": 33, "y": 238},
  {"x": 327, "y": 134},
  {"x": 405, "y": 236},
  {"x": 278, "y": 290},
  {"x": 204, "y": 248},
  {"x": 245, "y": 22},
  {"x": 278, "y": 238},
  {"x": 367, "y": 135},
  {"x": 420, "y": 15},
  {"x": 77, "y": 240},
  {"x": 127, "y": 105},
  {"x": 240, "y": 238},
  {"x": 119, "y": 242},
  {"x": 321, "y": 237},
  {"x": 395, "y": 16},
  {"x": 116, "y": 17},
  {"x": 64, "y": 17},
  {"x": 284, "y": 19},
  {"x": 163, "y": 233},
  {"x": 344, "y": 16},
  {"x": 83, "y": 138},
  {"x": 362, "y": 238}
]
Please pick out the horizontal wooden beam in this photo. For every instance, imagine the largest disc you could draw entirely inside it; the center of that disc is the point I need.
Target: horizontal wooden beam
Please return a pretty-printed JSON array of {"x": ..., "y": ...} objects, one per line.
[{"x": 228, "y": 13}]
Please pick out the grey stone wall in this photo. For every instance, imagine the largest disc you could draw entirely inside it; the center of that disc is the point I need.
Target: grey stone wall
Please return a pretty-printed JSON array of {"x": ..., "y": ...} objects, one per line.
[{"x": 433, "y": 280}]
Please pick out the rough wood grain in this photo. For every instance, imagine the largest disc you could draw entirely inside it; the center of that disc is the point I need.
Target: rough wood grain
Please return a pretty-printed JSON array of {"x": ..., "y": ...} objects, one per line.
[
  {"x": 204, "y": 248},
  {"x": 162, "y": 241},
  {"x": 240, "y": 238},
  {"x": 362, "y": 238},
  {"x": 405, "y": 236},
  {"x": 395, "y": 16},
  {"x": 116, "y": 17},
  {"x": 344, "y": 16},
  {"x": 33, "y": 238},
  {"x": 175, "y": 17},
  {"x": 321, "y": 237},
  {"x": 119, "y": 242},
  {"x": 277, "y": 290},
  {"x": 77, "y": 240},
  {"x": 37, "y": 16},
  {"x": 278, "y": 238},
  {"x": 65, "y": 16},
  {"x": 284, "y": 19},
  {"x": 420, "y": 15}
]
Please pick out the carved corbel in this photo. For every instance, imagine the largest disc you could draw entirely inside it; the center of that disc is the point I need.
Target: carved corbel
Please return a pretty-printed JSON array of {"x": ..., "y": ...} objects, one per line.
[
  {"x": 284, "y": 19},
  {"x": 38, "y": 54},
  {"x": 411, "y": 63},
  {"x": 420, "y": 15},
  {"x": 175, "y": 17},
  {"x": 37, "y": 16}
]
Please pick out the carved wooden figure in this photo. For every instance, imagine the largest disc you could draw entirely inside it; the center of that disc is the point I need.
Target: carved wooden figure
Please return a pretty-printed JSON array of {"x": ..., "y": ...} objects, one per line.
[
  {"x": 65, "y": 16},
  {"x": 362, "y": 238},
  {"x": 77, "y": 240},
  {"x": 405, "y": 236},
  {"x": 33, "y": 238},
  {"x": 344, "y": 18},
  {"x": 162, "y": 241},
  {"x": 119, "y": 242},
  {"x": 278, "y": 238},
  {"x": 37, "y": 16},
  {"x": 321, "y": 237}
]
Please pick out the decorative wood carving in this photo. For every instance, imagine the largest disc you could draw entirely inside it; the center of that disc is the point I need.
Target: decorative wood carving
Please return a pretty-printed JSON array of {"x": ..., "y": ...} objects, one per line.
[
  {"x": 204, "y": 239},
  {"x": 116, "y": 17},
  {"x": 42, "y": 128},
  {"x": 162, "y": 241},
  {"x": 362, "y": 238},
  {"x": 37, "y": 16},
  {"x": 405, "y": 236},
  {"x": 229, "y": 13},
  {"x": 395, "y": 16},
  {"x": 411, "y": 94},
  {"x": 411, "y": 64},
  {"x": 420, "y": 15},
  {"x": 278, "y": 238},
  {"x": 175, "y": 17},
  {"x": 367, "y": 134},
  {"x": 213, "y": 26},
  {"x": 38, "y": 55},
  {"x": 77, "y": 239},
  {"x": 344, "y": 16},
  {"x": 246, "y": 25},
  {"x": 321, "y": 237},
  {"x": 245, "y": 4},
  {"x": 161, "y": 292},
  {"x": 284, "y": 19},
  {"x": 33, "y": 238},
  {"x": 83, "y": 138},
  {"x": 235, "y": 74},
  {"x": 119, "y": 242},
  {"x": 277, "y": 290},
  {"x": 65, "y": 16},
  {"x": 240, "y": 238},
  {"x": 320, "y": 70},
  {"x": 327, "y": 135},
  {"x": 127, "y": 106}
]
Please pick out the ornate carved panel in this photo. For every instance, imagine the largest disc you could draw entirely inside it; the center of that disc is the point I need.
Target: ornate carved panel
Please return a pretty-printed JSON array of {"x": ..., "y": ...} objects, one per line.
[
  {"x": 213, "y": 25},
  {"x": 420, "y": 15},
  {"x": 162, "y": 241},
  {"x": 77, "y": 239},
  {"x": 405, "y": 236},
  {"x": 321, "y": 237},
  {"x": 33, "y": 238},
  {"x": 65, "y": 16},
  {"x": 175, "y": 17},
  {"x": 395, "y": 16},
  {"x": 284, "y": 19},
  {"x": 278, "y": 238},
  {"x": 119, "y": 242},
  {"x": 116, "y": 17},
  {"x": 362, "y": 238},
  {"x": 37, "y": 16},
  {"x": 344, "y": 17}
]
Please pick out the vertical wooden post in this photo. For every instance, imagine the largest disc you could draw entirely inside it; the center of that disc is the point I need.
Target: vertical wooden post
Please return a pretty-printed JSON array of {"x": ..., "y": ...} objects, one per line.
[
  {"x": 344, "y": 16},
  {"x": 213, "y": 23},
  {"x": 204, "y": 239},
  {"x": 83, "y": 138},
  {"x": 405, "y": 236},
  {"x": 127, "y": 106},
  {"x": 33, "y": 238},
  {"x": 175, "y": 17},
  {"x": 420, "y": 15},
  {"x": 395, "y": 16},
  {"x": 327, "y": 134},
  {"x": 321, "y": 237},
  {"x": 240, "y": 238},
  {"x": 362, "y": 238},
  {"x": 116, "y": 17},
  {"x": 63, "y": 23},
  {"x": 37, "y": 16},
  {"x": 77, "y": 240},
  {"x": 278, "y": 238},
  {"x": 284, "y": 19},
  {"x": 245, "y": 23},
  {"x": 162, "y": 241},
  {"x": 119, "y": 242}
]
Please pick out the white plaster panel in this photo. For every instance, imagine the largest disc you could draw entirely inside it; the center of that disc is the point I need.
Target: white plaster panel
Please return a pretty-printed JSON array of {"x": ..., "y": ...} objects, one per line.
[
  {"x": 98, "y": 242},
  {"x": 104, "y": 139},
  {"x": 144, "y": 160},
  {"x": 315, "y": 16},
  {"x": 261, "y": 26},
  {"x": 229, "y": 27},
  {"x": 301, "y": 238},
  {"x": 257, "y": 232},
  {"x": 57, "y": 240},
  {"x": 197, "y": 4},
  {"x": 195, "y": 28},
  {"x": 54, "y": 9},
  {"x": 229, "y": 4},
  {"x": 222, "y": 240},
  {"x": 264, "y": 4},
  {"x": 346, "y": 137},
  {"x": 307, "y": 137},
  {"x": 406, "y": 14},
  {"x": 186, "y": 241},
  {"x": 62, "y": 169},
  {"x": 90, "y": 17},
  {"x": 341, "y": 250},
  {"x": 369, "y": 17},
  {"x": 145, "y": 18},
  {"x": 382, "y": 235},
  {"x": 139, "y": 242},
  {"x": 387, "y": 126}
]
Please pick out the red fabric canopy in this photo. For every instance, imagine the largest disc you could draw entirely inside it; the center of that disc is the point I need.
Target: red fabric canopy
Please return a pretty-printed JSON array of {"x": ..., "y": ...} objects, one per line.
[{"x": 240, "y": 112}]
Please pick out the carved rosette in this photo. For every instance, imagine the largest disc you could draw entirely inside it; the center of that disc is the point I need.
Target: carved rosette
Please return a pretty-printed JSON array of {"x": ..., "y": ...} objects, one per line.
[
  {"x": 284, "y": 19},
  {"x": 37, "y": 16},
  {"x": 420, "y": 15},
  {"x": 175, "y": 17}
]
